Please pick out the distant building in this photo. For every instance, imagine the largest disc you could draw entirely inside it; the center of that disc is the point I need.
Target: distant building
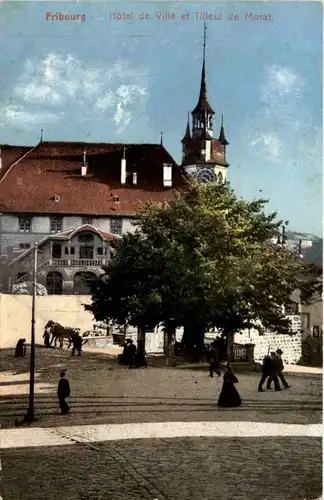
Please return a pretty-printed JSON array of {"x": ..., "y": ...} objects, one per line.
[{"x": 57, "y": 187}]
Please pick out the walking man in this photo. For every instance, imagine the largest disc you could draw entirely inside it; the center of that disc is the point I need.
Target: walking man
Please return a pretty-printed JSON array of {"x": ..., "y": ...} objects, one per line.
[
  {"x": 279, "y": 367},
  {"x": 269, "y": 372},
  {"x": 77, "y": 344},
  {"x": 63, "y": 392}
]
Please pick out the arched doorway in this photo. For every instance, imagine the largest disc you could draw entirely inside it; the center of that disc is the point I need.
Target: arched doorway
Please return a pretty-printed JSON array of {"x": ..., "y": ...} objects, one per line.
[
  {"x": 80, "y": 285},
  {"x": 54, "y": 283}
]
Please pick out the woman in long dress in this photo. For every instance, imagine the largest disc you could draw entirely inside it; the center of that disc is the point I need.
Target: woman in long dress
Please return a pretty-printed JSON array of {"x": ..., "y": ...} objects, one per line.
[{"x": 229, "y": 397}]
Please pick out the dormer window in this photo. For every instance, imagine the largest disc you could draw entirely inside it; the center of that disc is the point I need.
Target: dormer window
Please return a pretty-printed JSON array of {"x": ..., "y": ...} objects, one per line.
[
  {"x": 24, "y": 222},
  {"x": 57, "y": 197},
  {"x": 115, "y": 199}
]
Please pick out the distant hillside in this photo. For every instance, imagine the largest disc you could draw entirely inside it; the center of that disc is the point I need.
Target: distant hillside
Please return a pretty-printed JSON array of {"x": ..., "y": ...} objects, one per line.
[
  {"x": 315, "y": 253},
  {"x": 294, "y": 235}
]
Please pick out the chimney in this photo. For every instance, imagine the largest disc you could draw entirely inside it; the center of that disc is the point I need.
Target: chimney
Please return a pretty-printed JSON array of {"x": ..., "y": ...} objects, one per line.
[
  {"x": 84, "y": 168},
  {"x": 123, "y": 168},
  {"x": 167, "y": 174},
  {"x": 134, "y": 177}
]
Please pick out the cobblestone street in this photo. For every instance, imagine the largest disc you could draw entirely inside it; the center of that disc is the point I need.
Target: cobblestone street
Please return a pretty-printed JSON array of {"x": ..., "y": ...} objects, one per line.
[
  {"x": 227, "y": 465},
  {"x": 104, "y": 392},
  {"x": 186, "y": 468}
]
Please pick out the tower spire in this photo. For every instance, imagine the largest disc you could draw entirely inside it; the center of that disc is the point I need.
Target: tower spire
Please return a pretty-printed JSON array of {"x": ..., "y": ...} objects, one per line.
[
  {"x": 204, "y": 51},
  {"x": 203, "y": 107},
  {"x": 161, "y": 141}
]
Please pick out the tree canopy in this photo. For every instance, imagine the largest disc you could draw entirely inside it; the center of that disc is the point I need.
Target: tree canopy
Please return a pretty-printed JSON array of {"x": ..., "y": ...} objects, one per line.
[{"x": 202, "y": 260}]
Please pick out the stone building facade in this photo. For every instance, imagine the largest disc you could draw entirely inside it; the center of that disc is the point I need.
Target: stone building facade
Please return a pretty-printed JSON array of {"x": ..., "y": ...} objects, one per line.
[{"x": 67, "y": 260}]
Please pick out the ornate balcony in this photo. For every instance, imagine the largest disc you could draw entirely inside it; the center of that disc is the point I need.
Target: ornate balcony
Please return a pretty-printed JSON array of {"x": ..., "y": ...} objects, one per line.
[{"x": 75, "y": 263}]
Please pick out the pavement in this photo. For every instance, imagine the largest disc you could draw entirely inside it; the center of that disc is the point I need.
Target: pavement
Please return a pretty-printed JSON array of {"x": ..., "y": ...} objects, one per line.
[{"x": 156, "y": 434}]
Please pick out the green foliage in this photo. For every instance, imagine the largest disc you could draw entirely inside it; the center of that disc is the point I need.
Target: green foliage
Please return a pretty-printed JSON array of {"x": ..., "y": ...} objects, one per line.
[{"x": 202, "y": 260}]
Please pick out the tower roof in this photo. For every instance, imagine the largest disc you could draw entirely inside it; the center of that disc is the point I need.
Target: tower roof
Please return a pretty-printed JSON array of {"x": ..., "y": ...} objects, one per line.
[
  {"x": 203, "y": 104},
  {"x": 187, "y": 135},
  {"x": 222, "y": 138}
]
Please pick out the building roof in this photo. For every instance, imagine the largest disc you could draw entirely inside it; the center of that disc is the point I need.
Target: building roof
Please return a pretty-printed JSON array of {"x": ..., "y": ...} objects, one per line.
[
  {"x": 48, "y": 179},
  {"x": 67, "y": 235}
]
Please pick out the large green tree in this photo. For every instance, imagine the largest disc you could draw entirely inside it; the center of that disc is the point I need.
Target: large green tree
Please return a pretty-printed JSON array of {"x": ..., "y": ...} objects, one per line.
[{"x": 203, "y": 260}]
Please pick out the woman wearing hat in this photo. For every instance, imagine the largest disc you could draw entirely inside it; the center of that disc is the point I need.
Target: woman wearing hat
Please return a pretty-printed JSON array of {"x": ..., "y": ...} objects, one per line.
[{"x": 229, "y": 397}]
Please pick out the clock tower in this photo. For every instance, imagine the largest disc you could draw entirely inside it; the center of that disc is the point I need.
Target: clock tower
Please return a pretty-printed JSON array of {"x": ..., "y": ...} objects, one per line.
[{"x": 203, "y": 156}]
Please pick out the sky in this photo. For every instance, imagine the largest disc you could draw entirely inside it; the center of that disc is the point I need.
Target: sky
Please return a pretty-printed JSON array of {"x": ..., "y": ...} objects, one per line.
[{"x": 103, "y": 79}]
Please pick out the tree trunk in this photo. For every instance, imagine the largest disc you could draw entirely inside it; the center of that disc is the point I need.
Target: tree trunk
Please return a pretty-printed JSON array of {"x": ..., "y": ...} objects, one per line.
[
  {"x": 230, "y": 346},
  {"x": 140, "y": 340},
  {"x": 193, "y": 341},
  {"x": 169, "y": 343}
]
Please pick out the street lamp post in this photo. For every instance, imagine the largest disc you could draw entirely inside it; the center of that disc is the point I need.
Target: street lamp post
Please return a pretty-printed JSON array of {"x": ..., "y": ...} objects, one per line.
[{"x": 30, "y": 412}]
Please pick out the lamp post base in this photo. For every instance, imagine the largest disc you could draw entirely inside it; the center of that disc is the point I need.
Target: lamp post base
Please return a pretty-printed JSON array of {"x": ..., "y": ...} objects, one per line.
[{"x": 29, "y": 417}]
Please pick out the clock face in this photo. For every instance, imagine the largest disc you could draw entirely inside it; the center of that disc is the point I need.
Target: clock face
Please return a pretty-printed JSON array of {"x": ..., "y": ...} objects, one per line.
[{"x": 206, "y": 175}]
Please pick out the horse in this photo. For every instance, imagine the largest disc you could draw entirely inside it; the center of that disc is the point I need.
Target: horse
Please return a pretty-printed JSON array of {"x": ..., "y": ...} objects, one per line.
[{"x": 59, "y": 333}]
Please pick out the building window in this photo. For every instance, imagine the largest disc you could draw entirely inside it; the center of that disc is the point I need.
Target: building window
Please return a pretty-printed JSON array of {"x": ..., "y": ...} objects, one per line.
[
  {"x": 57, "y": 251},
  {"x": 72, "y": 251},
  {"x": 56, "y": 224},
  {"x": 305, "y": 321},
  {"x": 81, "y": 283},
  {"x": 87, "y": 221},
  {"x": 100, "y": 251},
  {"x": 24, "y": 246},
  {"x": 25, "y": 223},
  {"x": 116, "y": 226},
  {"x": 54, "y": 283},
  {"x": 21, "y": 277},
  {"x": 85, "y": 238},
  {"x": 316, "y": 331}
]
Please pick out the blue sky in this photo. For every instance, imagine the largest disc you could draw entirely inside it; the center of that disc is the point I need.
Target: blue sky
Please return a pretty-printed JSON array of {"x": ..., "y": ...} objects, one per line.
[{"x": 105, "y": 80}]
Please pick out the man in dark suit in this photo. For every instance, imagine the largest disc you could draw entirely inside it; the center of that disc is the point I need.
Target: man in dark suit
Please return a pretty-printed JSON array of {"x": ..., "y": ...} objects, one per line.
[
  {"x": 279, "y": 366},
  {"x": 269, "y": 372},
  {"x": 63, "y": 392}
]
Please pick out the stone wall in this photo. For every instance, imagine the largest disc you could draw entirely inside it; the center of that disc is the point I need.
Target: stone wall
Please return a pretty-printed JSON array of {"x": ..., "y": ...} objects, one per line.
[
  {"x": 291, "y": 345},
  {"x": 15, "y": 315}
]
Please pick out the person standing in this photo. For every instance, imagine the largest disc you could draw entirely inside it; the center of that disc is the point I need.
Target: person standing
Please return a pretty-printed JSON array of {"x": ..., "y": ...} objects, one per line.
[
  {"x": 63, "y": 392},
  {"x": 279, "y": 367},
  {"x": 20, "y": 350},
  {"x": 229, "y": 397},
  {"x": 214, "y": 361},
  {"x": 131, "y": 353},
  {"x": 77, "y": 344},
  {"x": 46, "y": 337}
]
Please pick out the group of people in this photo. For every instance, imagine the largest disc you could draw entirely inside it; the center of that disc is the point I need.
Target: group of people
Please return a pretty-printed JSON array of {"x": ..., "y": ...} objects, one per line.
[
  {"x": 131, "y": 357},
  {"x": 272, "y": 371}
]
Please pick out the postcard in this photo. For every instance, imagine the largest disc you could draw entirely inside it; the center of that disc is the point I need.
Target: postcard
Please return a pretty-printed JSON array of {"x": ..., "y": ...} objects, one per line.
[{"x": 107, "y": 105}]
